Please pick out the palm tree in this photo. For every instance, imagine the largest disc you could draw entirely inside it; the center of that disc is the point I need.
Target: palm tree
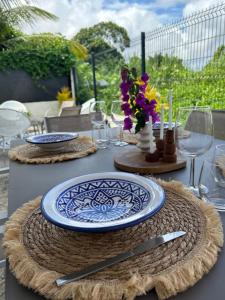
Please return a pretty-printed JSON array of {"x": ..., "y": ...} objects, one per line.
[
  {"x": 18, "y": 15},
  {"x": 12, "y": 3},
  {"x": 14, "y": 13}
]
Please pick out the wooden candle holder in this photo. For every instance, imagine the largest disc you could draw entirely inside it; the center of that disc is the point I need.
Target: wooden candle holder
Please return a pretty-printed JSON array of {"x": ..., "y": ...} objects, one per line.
[
  {"x": 160, "y": 147},
  {"x": 152, "y": 157},
  {"x": 169, "y": 154}
]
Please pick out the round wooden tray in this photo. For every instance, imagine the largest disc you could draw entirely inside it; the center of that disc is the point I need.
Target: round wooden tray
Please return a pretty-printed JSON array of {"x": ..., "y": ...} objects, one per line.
[{"x": 133, "y": 161}]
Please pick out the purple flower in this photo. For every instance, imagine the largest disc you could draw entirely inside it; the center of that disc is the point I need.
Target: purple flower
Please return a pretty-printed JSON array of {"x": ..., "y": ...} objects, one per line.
[
  {"x": 153, "y": 103},
  {"x": 133, "y": 99},
  {"x": 140, "y": 100},
  {"x": 127, "y": 123},
  {"x": 124, "y": 88},
  {"x": 155, "y": 116},
  {"x": 140, "y": 96},
  {"x": 147, "y": 108},
  {"x": 125, "y": 98},
  {"x": 143, "y": 87},
  {"x": 145, "y": 77},
  {"x": 126, "y": 108}
]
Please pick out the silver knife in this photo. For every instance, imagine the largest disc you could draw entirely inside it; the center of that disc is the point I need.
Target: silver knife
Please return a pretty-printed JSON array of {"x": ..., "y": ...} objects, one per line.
[{"x": 141, "y": 248}]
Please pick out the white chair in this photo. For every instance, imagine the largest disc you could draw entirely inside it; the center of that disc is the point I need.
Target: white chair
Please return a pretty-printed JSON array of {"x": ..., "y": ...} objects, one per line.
[
  {"x": 12, "y": 124},
  {"x": 15, "y": 105},
  {"x": 39, "y": 110},
  {"x": 85, "y": 108}
]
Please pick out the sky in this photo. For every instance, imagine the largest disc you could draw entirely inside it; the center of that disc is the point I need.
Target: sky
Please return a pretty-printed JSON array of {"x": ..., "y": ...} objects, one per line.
[{"x": 134, "y": 15}]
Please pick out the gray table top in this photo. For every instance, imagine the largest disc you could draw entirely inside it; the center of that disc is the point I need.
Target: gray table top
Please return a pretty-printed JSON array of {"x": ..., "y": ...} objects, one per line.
[{"x": 28, "y": 181}]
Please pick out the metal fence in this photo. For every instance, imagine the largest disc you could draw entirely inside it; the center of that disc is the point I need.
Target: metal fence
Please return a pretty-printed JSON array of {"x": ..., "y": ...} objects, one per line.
[{"x": 187, "y": 56}]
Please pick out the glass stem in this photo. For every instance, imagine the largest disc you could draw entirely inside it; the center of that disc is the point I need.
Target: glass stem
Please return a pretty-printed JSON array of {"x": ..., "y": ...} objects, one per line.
[
  {"x": 192, "y": 172},
  {"x": 99, "y": 134},
  {"x": 121, "y": 133}
]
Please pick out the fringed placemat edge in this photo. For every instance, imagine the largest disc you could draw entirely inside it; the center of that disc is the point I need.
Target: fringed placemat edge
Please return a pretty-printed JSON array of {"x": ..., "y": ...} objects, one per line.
[
  {"x": 186, "y": 275},
  {"x": 166, "y": 283}
]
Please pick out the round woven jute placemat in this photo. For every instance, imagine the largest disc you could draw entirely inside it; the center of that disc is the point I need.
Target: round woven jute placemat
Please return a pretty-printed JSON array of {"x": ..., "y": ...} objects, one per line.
[
  {"x": 130, "y": 138},
  {"x": 39, "y": 252},
  {"x": 221, "y": 164},
  {"x": 31, "y": 154}
]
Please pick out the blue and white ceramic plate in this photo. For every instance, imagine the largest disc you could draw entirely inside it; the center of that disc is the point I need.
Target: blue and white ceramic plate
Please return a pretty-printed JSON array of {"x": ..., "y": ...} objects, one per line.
[
  {"x": 156, "y": 125},
  {"x": 52, "y": 141},
  {"x": 102, "y": 202}
]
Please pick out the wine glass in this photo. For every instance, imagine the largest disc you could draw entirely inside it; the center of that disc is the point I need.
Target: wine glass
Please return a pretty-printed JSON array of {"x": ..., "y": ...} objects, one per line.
[
  {"x": 194, "y": 135},
  {"x": 118, "y": 118},
  {"x": 97, "y": 112}
]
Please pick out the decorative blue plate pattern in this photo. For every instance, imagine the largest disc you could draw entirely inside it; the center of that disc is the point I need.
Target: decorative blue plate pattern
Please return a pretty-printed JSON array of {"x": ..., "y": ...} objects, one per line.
[
  {"x": 52, "y": 141},
  {"x": 102, "y": 202},
  {"x": 156, "y": 125},
  {"x": 51, "y": 138}
]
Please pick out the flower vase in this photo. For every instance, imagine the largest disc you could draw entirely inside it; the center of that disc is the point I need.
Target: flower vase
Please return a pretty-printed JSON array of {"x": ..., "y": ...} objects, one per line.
[{"x": 144, "y": 138}]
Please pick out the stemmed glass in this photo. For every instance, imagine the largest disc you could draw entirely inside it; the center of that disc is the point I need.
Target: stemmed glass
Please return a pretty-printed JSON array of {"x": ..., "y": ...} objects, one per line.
[
  {"x": 194, "y": 135},
  {"x": 118, "y": 118}
]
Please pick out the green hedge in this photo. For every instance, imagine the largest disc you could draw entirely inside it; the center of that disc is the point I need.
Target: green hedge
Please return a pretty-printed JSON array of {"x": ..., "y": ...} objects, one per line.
[{"x": 41, "y": 56}]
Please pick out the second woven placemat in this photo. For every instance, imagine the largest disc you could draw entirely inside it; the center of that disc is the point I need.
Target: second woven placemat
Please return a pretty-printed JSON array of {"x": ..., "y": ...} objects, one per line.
[
  {"x": 31, "y": 154},
  {"x": 221, "y": 164},
  {"x": 130, "y": 138},
  {"x": 39, "y": 252}
]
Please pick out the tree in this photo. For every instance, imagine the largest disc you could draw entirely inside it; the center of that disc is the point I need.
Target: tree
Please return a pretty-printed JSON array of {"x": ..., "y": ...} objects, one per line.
[
  {"x": 108, "y": 40},
  {"x": 104, "y": 36},
  {"x": 12, "y": 3},
  {"x": 42, "y": 55},
  {"x": 13, "y": 15}
]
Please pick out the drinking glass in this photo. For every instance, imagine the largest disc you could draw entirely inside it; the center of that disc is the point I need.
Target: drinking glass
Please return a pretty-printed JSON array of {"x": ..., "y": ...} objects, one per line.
[
  {"x": 118, "y": 118},
  {"x": 99, "y": 124},
  {"x": 219, "y": 160},
  {"x": 97, "y": 112},
  {"x": 215, "y": 192},
  {"x": 194, "y": 136}
]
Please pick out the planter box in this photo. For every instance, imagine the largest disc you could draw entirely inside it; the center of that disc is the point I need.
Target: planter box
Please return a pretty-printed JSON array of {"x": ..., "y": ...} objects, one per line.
[{"x": 18, "y": 85}]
